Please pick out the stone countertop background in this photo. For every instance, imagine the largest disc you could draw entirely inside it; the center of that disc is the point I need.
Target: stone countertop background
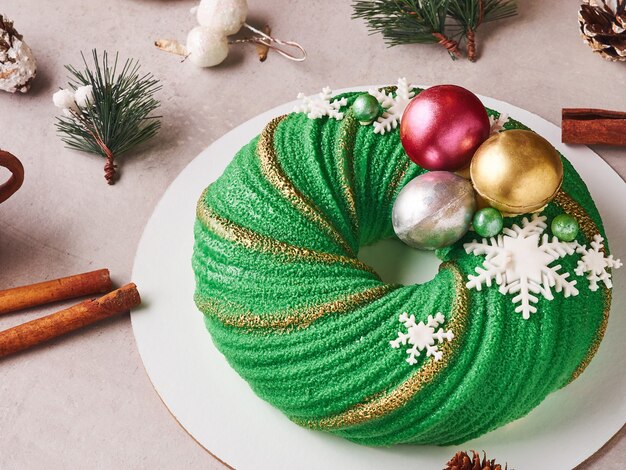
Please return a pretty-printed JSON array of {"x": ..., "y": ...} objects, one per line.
[{"x": 85, "y": 400}]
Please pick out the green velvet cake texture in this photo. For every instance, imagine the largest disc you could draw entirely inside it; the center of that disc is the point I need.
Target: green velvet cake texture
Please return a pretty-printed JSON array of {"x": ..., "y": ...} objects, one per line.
[{"x": 309, "y": 326}]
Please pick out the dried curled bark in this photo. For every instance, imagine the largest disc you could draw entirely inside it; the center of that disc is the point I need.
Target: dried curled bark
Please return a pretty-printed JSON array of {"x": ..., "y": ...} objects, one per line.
[
  {"x": 450, "y": 44},
  {"x": 471, "y": 44}
]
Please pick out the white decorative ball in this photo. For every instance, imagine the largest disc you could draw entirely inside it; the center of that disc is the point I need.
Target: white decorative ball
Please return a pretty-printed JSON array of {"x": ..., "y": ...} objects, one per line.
[
  {"x": 84, "y": 95},
  {"x": 64, "y": 99},
  {"x": 226, "y": 16},
  {"x": 206, "y": 47}
]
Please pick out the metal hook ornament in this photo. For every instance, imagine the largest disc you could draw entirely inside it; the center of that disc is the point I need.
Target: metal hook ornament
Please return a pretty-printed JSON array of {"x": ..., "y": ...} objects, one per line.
[
  {"x": 269, "y": 41},
  {"x": 207, "y": 47}
]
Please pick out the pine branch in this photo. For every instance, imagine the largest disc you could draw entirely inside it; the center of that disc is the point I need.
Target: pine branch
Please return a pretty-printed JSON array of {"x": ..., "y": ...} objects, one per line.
[
  {"x": 470, "y": 14},
  {"x": 408, "y": 21},
  {"x": 118, "y": 117}
]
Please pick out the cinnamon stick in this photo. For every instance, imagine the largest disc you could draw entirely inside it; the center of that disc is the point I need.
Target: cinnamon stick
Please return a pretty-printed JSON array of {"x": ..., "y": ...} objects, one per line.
[
  {"x": 85, "y": 313},
  {"x": 593, "y": 126},
  {"x": 94, "y": 282}
]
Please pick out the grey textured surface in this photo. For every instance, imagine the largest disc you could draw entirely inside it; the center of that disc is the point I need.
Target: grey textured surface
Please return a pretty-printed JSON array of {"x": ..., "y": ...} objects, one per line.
[{"x": 85, "y": 400}]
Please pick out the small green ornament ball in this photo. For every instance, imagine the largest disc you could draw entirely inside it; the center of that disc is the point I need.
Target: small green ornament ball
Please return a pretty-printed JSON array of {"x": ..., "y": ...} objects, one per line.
[
  {"x": 565, "y": 227},
  {"x": 365, "y": 108},
  {"x": 488, "y": 222}
]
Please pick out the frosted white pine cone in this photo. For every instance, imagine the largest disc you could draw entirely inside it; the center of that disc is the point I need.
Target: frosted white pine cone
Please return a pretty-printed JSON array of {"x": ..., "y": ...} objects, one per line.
[{"x": 18, "y": 67}]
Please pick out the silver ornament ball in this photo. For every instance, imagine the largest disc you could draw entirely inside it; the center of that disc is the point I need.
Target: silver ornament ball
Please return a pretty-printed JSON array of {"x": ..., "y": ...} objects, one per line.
[{"x": 433, "y": 210}]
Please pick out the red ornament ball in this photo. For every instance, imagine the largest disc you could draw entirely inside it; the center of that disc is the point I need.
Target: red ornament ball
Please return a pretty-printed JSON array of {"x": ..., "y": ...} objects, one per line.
[{"x": 443, "y": 126}]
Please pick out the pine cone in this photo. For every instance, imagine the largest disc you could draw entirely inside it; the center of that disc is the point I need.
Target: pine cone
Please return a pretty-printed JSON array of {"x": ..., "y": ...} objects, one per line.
[
  {"x": 17, "y": 64},
  {"x": 603, "y": 27},
  {"x": 462, "y": 461}
]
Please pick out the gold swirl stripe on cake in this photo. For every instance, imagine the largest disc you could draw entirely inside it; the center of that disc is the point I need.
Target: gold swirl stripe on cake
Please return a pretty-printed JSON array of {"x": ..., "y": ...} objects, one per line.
[
  {"x": 383, "y": 404},
  {"x": 232, "y": 314},
  {"x": 593, "y": 349},
  {"x": 396, "y": 179},
  {"x": 273, "y": 172},
  {"x": 345, "y": 164},
  {"x": 247, "y": 238},
  {"x": 589, "y": 229}
]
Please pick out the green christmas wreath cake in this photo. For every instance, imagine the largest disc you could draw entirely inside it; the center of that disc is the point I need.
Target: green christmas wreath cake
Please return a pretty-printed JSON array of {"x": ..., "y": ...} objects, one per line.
[{"x": 316, "y": 333}]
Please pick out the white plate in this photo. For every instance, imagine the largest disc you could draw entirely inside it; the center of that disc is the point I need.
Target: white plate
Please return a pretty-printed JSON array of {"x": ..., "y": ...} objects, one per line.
[{"x": 220, "y": 411}]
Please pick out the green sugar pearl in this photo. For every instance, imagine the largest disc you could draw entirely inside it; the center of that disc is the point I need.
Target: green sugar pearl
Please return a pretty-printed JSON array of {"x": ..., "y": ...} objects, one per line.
[
  {"x": 488, "y": 222},
  {"x": 565, "y": 227},
  {"x": 365, "y": 108}
]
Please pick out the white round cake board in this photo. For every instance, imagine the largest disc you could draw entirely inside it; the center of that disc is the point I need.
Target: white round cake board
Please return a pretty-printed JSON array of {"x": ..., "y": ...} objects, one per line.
[{"x": 219, "y": 410}]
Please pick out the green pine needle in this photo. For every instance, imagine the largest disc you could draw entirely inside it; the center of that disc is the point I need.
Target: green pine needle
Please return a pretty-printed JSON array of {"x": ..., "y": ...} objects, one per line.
[
  {"x": 119, "y": 115},
  {"x": 404, "y": 21},
  {"x": 431, "y": 21},
  {"x": 467, "y": 12}
]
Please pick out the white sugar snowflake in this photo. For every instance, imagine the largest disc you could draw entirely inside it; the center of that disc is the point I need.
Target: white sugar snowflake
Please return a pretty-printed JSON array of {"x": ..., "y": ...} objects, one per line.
[
  {"x": 394, "y": 106},
  {"x": 596, "y": 263},
  {"x": 497, "y": 123},
  {"x": 422, "y": 336},
  {"x": 321, "y": 105},
  {"x": 519, "y": 262}
]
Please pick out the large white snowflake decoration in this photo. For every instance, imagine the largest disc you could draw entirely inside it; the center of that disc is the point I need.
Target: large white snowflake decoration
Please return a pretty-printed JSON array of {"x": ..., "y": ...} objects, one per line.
[
  {"x": 497, "y": 123},
  {"x": 393, "y": 106},
  {"x": 519, "y": 262},
  {"x": 422, "y": 336},
  {"x": 321, "y": 105},
  {"x": 596, "y": 263}
]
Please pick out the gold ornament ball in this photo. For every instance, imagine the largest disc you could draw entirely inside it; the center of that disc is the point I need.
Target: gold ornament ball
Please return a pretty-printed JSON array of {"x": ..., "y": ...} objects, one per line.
[{"x": 516, "y": 172}]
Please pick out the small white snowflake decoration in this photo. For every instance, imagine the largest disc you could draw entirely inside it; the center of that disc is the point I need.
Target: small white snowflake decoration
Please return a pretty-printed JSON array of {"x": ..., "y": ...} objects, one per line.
[
  {"x": 497, "y": 123},
  {"x": 519, "y": 262},
  {"x": 394, "y": 106},
  {"x": 596, "y": 263},
  {"x": 422, "y": 336},
  {"x": 321, "y": 105}
]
